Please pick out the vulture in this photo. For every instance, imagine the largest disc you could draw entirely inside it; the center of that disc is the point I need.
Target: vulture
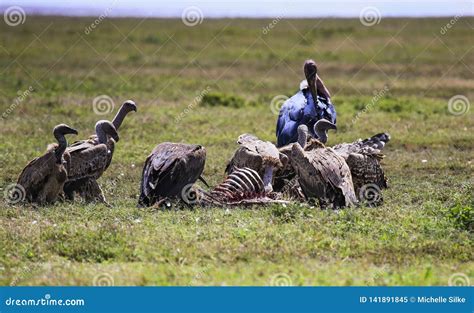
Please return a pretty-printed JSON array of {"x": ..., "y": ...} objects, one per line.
[
  {"x": 261, "y": 156},
  {"x": 322, "y": 173},
  {"x": 285, "y": 178},
  {"x": 89, "y": 160},
  {"x": 306, "y": 107},
  {"x": 43, "y": 178},
  {"x": 87, "y": 187},
  {"x": 169, "y": 170},
  {"x": 363, "y": 158}
]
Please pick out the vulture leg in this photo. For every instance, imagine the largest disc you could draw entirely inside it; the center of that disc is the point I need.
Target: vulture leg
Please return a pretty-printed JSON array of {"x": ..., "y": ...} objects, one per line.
[{"x": 92, "y": 192}]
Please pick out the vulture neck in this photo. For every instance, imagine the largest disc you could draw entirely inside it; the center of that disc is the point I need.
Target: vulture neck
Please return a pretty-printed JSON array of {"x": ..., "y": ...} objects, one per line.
[
  {"x": 62, "y": 144},
  {"x": 302, "y": 137},
  {"x": 101, "y": 135},
  {"x": 322, "y": 135},
  {"x": 119, "y": 117}
]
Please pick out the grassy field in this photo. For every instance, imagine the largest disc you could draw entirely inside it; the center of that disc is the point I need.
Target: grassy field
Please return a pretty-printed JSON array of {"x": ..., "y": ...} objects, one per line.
[{"x": 397, "y": 76}]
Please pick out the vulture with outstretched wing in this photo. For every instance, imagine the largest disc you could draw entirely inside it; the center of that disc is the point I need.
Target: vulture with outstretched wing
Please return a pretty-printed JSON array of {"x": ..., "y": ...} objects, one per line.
[
  {"x": 43, "y": 178},
  {"x": 322, "y": 173},
  {"x": 363, "y": 158}
]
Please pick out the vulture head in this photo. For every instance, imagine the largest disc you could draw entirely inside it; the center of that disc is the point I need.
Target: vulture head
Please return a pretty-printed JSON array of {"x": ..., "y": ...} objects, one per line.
[
  {"x": 321, "y": 128},
  {"x": 302, "y": 135},
  {"x": 310, "y": 71},
  {"x": 105, "y": 129},
  {"x": 59, "y": 133},
  {"x": 127, "y": 107},
  {"x": 246, "y": 138}
]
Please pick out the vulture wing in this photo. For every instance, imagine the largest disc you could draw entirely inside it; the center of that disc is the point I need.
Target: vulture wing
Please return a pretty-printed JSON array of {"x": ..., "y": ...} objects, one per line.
[
  {"x": 37, "y": 171},
  {"x": 168, "y": 169},
  {"x": 88, "y": 160}
]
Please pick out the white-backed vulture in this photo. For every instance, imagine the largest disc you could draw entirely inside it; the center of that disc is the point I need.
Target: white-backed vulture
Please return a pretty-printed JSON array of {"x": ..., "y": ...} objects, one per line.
[
  {"x": 87, "y": 188},
  {"x": 285, "y": 178},
  {"x": 88, "y": 162},
  {"x": 322, "y": 173},
  {"x": 261, "y": 156},
  {"x": 168, "y": 170},
  {"x": 43, "y": 178}
]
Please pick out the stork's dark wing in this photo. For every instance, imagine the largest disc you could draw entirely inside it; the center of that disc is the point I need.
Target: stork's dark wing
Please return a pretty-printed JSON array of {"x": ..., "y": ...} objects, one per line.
[{"x": 290, "y": 116}]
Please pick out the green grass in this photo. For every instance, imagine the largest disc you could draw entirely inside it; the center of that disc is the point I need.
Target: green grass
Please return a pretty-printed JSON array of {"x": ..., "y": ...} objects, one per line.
[{"x": 208, "y": 84}]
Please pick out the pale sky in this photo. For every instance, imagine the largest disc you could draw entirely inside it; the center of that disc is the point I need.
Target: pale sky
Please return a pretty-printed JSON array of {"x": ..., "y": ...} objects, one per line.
[{"x": 244, "y": 8}]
